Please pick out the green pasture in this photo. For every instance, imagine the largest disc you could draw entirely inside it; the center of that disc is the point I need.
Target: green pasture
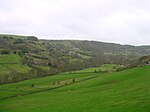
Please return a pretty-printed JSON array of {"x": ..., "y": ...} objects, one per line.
[{"x": 125, "y": 91}]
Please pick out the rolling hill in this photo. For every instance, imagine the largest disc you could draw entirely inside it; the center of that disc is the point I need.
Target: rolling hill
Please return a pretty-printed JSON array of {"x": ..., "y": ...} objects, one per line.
[
  {"x": 125, "y": 91},
  {"x": 71, "y": 75},
  {"x": 11, "y": 66},
  {"x": 39, "y": 58}
]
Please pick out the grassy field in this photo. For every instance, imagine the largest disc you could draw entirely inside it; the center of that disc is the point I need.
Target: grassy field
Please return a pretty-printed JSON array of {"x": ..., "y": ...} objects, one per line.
[
  {"x": 125, "y": 91},
  {"x": 10, "y": 58},
  {"x": 11, "y": 62},
  {"x": 61, "y": 79}
]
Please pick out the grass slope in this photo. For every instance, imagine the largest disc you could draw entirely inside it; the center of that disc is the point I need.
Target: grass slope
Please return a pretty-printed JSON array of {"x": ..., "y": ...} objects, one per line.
[
  {"x": 126, "y": 91},
  {"x": 14, "y": 36},
  {"x": 43, "y": 83},
  {"x": 10, "y": 58},
  {"x": 12, "y": 62}
]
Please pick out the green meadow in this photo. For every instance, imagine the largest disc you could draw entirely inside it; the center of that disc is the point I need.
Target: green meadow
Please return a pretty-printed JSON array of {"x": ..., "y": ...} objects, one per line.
[
  {"x": 12, "y": 62},
  {"x": 125, "y": 91}
]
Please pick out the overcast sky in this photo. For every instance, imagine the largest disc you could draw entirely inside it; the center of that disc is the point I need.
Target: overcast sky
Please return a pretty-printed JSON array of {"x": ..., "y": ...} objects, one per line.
[{"x": 118, "y": 21}]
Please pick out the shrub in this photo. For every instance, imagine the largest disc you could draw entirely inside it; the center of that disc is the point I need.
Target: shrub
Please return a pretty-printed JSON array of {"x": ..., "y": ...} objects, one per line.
[
  {"x": 15, "y": 52},
  {"x": 5, "y": 52},
  {"x": 32, "y": 85},
  {"x": 33, "y": 38},
  {"x": 18, "y": 41},
  {"x": 73, "y": 80}
]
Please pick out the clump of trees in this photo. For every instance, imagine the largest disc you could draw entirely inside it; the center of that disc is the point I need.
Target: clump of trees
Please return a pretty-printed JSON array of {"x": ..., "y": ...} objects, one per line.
[
  {"x": 126, "y": 67},
  {"x": 18, "y": 41},
  {"x": 14, "y": 76},
  {"x": 144, "y": 60},
  {"x": 32, "y": 38}
]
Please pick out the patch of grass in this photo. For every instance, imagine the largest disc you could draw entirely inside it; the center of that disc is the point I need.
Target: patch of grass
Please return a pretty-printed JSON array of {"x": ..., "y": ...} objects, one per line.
[
  {"x": 14, "y": 36},
  {"x": 11, "y": 68},
  {"x": 73, "y": 60},
  {"x": 4, "y": 69},
  {"x": 9, "y": 58},
  {"x": 41, "y": 83},
  {"x": 12, "y": 62},
  {"x": 44, "y": 67}
]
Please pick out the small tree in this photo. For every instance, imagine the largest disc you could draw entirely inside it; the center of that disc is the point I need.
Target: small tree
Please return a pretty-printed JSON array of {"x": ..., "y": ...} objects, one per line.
[
  {"x": 65, "y": 83},
  {"x": 15, "y": 52},
  {"x": 32, "y": 85},
  {"x": 49, "y": 64},
  {"x": 96, "y": 71},
  {"x": 73, "y": 80}
]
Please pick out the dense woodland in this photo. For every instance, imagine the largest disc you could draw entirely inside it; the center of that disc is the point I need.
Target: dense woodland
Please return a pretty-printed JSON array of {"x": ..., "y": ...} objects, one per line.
[{"x": 49, "y": 57}]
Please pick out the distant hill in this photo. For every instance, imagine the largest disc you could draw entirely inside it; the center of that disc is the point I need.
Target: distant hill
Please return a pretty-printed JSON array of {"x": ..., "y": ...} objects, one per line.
[{"x": 48, "y": 57}]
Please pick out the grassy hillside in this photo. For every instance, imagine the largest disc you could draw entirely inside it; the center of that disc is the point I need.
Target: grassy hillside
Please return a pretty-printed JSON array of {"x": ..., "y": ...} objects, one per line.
[
  {"x": 10, "y": 58},
  {"x": 14, "y": 36},
  {"x": 24, "y": 87},
  {"x": 12, "y": 62},
  {"x": 11, "y": 67},
  {"x": 50, "y": 57},
  {"x": 125, "y": 91}
]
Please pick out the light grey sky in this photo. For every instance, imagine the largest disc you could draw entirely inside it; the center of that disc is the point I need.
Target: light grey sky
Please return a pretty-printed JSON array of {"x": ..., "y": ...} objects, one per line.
[{"x": 118, "y": 21}]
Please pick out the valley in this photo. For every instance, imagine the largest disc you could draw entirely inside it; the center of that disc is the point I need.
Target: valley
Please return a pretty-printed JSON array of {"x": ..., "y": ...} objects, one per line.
[{"x": 70, "y": 75}]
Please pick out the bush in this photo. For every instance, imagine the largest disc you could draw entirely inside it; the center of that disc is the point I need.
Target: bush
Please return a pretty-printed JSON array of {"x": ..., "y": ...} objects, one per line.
[
  {"x": 18, "y": 41},
  {"x": 49, "y": 64},
  {"x": 96, "y": 71},
  {"x": 32, "y": 85},
  {"x": 73, "y": 80},
  {"x": 15, "y": 52},
  {"x": 5, "y": 52},
  {"x": 32, "y": 38}
]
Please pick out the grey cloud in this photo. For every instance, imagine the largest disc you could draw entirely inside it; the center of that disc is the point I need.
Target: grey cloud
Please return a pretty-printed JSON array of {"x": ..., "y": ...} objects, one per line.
[{"x": 119, "y": 21}]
